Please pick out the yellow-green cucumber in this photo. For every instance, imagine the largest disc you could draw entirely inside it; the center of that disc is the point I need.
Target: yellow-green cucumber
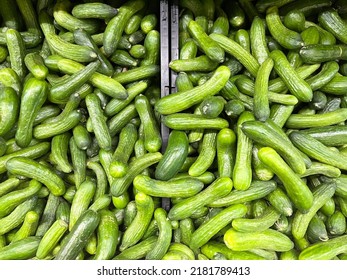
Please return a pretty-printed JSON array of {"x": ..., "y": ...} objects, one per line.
[
  {"x": 124, "y": 149},
  {"x": 295, "y": 187},
  {"x": 268, "y": 239}
]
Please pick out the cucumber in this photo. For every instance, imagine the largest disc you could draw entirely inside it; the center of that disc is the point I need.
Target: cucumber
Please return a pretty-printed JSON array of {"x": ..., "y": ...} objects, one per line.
[
  {"x": 261, "y": 223},
  {"x": 137, "y": 228},
  {"x": 100, "y": 128},
  {"x": 17, "y": 216},
  {"x": 325, "y": 250},
  {"x": 120, "y": 185},
  {"x": 257, "y": 189},
  {"x": 208, "y": 229},
  {"x": 23, "y": 249},
  {"x": 242, "y": 172},
  {"x": 107, "y": 234},
  {"x": 51, "y": 238},
  {"x": 212, "y": 248},
  {"x": 287, "y": 38},
  {"x": 116, "y": 25},
  {"x": 180, "y": 101},
  {"x": 164, "y": 236},
  {"x": 180, "y": 187},
  {"x": 126, "y": 143},
  {"x": 11, "y": 200},
  {"x": 332, "y": 22},
  {"x": 9, "y": 109},
  {"x": 208, "y": 45},
  {"x": 320, "y": 196},
  {"x": 185, "y": 208},
  {"x": 206, "y": 155},
  {"x": 261, "y": 102},
  {"x": 79, "y": 235},
  {"x": 297, "y": 190},
  {"x": 94, "y": 10},
  {"x": 315, "y": 149},
  {"x": 139, "y": 250},
  {"x": 33, "y": 97},
  {"x": 296, "y": 85},
  {"x": 81, "y": 201},
  {"x": 186, "y": 121},
  {"x": 32, "y": 169},
  {"x": 174, "y": 156},
  {"x": 269, "y": 134},
  {"x": 226, "y": 142},
  {"x": 152, "y": 139},
  {"x": 268, "y": 239}
]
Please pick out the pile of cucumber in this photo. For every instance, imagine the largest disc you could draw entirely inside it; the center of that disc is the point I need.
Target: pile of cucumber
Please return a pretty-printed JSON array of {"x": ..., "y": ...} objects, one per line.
[{"x": 255, "y": 164}]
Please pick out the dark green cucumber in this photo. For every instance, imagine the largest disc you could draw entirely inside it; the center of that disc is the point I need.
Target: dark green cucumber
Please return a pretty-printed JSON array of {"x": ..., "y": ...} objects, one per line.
[
  {"x": 9, "y": 108},
  {"x": 332, "y": 22},
  {"x": 174, "y": 156},
  {"x": 79, "y": 235}
]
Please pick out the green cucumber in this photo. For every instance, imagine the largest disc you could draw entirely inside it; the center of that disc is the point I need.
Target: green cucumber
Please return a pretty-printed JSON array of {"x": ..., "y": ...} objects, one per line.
[
  {"x": 296, "y": 189},
  {"x": 180, "y": 101},
  {"x": 268, "y": 239},
  {"x": 32, "y": 169},
  {"x": 320, "y": 196},
  {"x": 79, "y": 235},
  {"x": 185, "y": 208},
  {"x": 174, "y": 156},
  {"x": 180, "y": 187}
]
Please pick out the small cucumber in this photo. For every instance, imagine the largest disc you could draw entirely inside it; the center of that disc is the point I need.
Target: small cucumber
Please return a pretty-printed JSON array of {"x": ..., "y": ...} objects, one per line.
[
  {"x": 268, "y": 239},
  {"x": 320, "y": 196},
  {"x": 296, "y": 189},
  {"x": 137, "y": 228},
  {"x": 32, "y": 169},
  {"x": 79, "y": 235},
  {"x": 180, "y": 187},
  {"x": 185, "y": 208},
  {"x": 174, "y": 156},
  {"x": 180, "y": 101}
]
